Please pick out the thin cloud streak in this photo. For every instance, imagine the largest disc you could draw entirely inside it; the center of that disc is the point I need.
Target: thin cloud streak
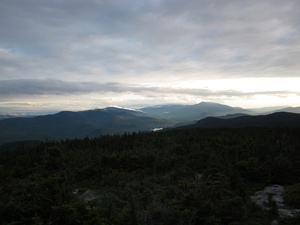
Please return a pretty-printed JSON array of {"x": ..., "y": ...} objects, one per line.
[{"x": 57, "y": 87}]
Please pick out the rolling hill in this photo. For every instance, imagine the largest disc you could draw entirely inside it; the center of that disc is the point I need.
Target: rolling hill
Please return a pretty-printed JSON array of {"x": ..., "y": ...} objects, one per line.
[
  {"x": 112, "y": 120},
  {"x": 289, "y": 109},
  {"x": 279, "y": 119},
  {"x": 67, "y": 124},
  {"x": 189, "y": 113}
]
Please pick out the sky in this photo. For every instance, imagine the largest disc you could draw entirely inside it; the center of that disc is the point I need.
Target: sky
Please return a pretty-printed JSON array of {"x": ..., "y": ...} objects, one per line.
[{"x": 77, "y": 55}]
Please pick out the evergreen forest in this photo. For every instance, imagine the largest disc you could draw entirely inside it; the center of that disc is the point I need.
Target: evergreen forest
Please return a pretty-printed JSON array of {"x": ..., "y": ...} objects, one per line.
[{"x": 176, "y": 177}]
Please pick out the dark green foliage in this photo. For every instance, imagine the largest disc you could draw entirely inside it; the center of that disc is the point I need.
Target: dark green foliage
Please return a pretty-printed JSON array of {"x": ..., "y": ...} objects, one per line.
[
  {"x": 196, "y": 176},
  {"x": 292, "y": 195},
  {"x": 278, "y": 119}
]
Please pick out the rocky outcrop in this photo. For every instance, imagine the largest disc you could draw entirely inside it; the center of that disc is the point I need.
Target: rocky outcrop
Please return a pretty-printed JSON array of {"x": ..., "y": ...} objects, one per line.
[
  {"x": 86, "y": 196},
  {"x": 274, "y": 193}
]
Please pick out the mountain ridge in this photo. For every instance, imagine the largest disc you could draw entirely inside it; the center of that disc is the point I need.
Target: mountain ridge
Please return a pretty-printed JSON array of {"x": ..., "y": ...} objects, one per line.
[
  {"x": 188, "y": 113},
  {"x": 277, "y": 119},
  {"x": 114, "y": 120},
  {"x": 69, "y": 124}
]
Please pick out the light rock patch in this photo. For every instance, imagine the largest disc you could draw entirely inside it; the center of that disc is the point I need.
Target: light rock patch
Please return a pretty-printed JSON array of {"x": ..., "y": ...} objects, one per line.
[{"x": 274, "y": 193}]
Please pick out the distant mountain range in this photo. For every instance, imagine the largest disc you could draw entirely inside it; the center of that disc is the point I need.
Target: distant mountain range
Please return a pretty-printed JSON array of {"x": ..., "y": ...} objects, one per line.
[
  {"x": 7, "y": 116},
  {"x": 80, "y": 124},
  {"x": 279, "y": 119},
  {"x": 112, "y": 120},
  {"x": 189, "y": 113},
  {"x": 289, "y": 109}
]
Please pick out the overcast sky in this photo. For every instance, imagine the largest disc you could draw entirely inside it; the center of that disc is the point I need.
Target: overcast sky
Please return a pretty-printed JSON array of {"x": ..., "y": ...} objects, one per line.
[{"x": 75, "y": 55}]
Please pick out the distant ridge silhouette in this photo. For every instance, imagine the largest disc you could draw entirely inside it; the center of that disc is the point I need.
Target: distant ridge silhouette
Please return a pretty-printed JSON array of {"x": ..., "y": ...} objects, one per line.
[
  {"x": 67, "y": 124},
  {"x": 279, "y": 119}
]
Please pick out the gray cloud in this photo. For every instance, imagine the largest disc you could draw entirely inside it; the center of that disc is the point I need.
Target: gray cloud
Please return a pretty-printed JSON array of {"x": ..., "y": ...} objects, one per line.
[
  {"x": 73, "y": 47},
  {"x": 227, "y": 37},
  {"x": 53, "y": 87},
  {"x": 58, "y": 87}
]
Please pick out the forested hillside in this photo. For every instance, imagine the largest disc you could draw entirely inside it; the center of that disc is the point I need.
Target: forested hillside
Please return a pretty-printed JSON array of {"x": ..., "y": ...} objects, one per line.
[
  {"x": 194, "y": 176},
  {"x": 279, "y": 119},
  {"x": 67, "y": 124}
]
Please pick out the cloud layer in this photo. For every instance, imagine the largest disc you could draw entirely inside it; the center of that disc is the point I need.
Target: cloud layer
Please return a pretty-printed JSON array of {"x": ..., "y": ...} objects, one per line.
[
  {"x": 71, "y": 47},
  {"x": 57, "y": 87}
]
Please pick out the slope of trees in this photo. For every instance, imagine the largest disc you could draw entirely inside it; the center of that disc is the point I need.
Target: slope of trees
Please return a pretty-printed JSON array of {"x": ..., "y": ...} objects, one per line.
[
  {"x": 67, "y": 124},
  {"x": 195, "y": 176}
]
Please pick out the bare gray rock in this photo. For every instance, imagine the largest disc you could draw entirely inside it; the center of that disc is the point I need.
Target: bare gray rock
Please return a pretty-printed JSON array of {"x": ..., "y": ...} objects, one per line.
[
  {"x": 274, "y": 193},
  {"x": 86, "y": 196}
]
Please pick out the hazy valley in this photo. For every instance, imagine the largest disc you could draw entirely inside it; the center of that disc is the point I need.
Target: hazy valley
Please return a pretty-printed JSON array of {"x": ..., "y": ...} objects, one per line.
[{"x": 112, "y": 120}]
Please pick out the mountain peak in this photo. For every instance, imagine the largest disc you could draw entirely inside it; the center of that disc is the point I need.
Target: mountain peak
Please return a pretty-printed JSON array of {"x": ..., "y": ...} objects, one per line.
[
  {"x": 189, "y": 113},
  {"x": 208, "y": 103}
]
